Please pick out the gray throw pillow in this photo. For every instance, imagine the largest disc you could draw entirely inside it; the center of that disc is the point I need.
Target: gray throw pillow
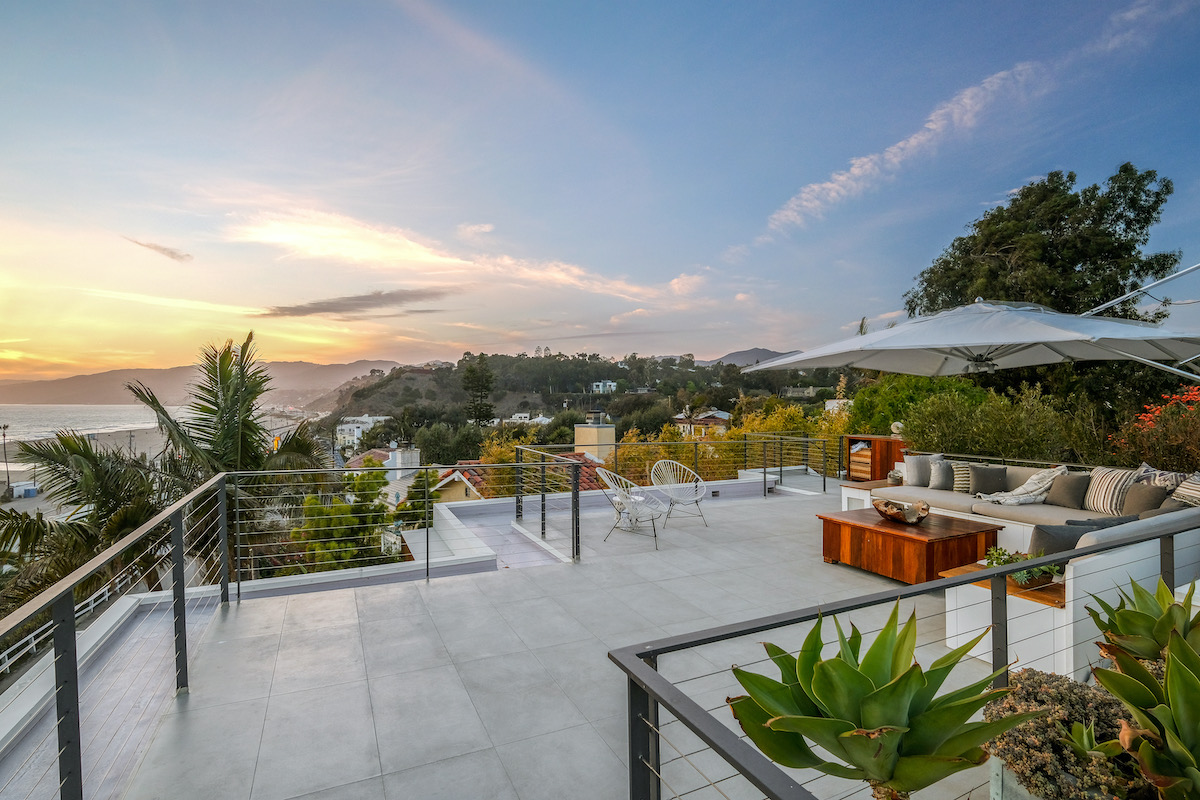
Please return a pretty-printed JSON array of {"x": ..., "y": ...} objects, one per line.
[
  {"x": 916, "y": 469},
  {"x": 987, "y": 478},
  {"x": 1168, "y": 505},
  {"x": 1143, "y": 497},
  {"x": 941, "y": 476},
  {"x": 1047, "y": 539},
  {"x": 1068, "y": 490}
]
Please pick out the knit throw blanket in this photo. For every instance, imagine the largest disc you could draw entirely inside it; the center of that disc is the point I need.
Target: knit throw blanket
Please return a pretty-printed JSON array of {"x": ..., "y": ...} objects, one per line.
[{"x": 1031, "y": 491}]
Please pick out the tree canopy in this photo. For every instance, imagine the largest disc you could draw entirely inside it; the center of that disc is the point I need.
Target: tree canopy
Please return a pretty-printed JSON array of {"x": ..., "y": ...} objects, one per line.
[
  {"x": 1066, "y": 249},
  {"x": 478, "y": 380}
]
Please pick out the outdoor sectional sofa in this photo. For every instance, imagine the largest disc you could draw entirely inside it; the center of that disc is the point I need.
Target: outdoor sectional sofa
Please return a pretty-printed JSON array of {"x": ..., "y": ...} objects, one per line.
[
  {"x": 1018, "y": 521},
  {"x": 1055, "y": 639}
]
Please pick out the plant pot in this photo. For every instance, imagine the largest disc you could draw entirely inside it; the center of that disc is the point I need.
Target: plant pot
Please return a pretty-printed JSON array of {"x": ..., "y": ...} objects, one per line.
[
  {"x": 1032, "y": 583},
  {"x": 1004, "y": 784}
]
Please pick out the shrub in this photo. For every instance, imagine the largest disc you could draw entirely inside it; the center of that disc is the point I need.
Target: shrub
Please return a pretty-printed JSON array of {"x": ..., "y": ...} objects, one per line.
[
  {"x": 1021, "y": 425},
  {"x": 1165, "y": 434},
  {"x": 889, "y": 398},
  {"x": 1036, "y": 753}
]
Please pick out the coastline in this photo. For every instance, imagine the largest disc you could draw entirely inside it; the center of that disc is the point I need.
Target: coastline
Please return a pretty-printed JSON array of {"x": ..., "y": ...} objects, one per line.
[{"x": 144, "y": 440}]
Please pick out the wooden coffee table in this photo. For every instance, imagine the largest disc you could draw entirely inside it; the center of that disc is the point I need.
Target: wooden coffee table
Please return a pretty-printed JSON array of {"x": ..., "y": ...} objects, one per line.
[{"x": 908, "y": 553}]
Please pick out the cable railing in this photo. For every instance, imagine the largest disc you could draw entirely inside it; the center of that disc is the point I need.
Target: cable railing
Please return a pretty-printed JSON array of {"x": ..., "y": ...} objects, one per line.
[
  {"x": 770, "y": 455},
  {"x": 683, "y": 740},
  {"x": 173, "y": 569},
  {"x": 303, "y": 524}
]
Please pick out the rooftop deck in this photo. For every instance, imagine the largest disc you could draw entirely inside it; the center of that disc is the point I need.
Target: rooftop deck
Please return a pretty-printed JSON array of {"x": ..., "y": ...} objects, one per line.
[{"x": 492, "y": 684}]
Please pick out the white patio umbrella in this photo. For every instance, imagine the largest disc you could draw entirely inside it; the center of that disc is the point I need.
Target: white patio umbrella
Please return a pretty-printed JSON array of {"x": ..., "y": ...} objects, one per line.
[{"x": 991, "y": 335}]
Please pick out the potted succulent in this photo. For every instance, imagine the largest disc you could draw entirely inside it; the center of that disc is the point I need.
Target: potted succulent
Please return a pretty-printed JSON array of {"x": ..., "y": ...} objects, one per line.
[
  {"x": 1024, "y": 579},
  {"x": 1070, "y": 752},
  {"x": 878, "y": 716},
  {"x": 1141, "y": 623}
]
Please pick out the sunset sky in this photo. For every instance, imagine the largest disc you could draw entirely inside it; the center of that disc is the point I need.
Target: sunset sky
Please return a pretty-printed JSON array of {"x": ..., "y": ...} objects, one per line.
[{"x": 410, "y": 180}]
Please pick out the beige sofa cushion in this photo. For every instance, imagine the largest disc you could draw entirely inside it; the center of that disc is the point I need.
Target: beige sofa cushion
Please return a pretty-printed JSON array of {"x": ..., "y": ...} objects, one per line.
[
  {"x": 1035, "y": 513},
  {"x": 937, "y": 498}
]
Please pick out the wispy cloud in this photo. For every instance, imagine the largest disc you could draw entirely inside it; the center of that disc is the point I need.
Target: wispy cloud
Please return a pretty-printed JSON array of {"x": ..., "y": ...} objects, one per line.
[
  {"x": 428, "y": 265},
  {"x": 473, "y": 233},
  {"x": 162, "y": 249},
  {"x": 182, "y": 303},
  {"x": 960, "y": 113},
  {"x": 1130, "y": 26},
  {"x": 307, "y": 233},
  {"x": 355, "y": 306}
]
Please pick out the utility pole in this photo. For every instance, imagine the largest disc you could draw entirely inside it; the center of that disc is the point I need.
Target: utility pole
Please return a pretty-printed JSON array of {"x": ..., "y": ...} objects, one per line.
[{"x": 7, "y": 478}]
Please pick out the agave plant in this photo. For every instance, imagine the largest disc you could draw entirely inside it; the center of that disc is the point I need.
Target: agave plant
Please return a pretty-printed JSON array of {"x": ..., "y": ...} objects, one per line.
[
  {"x": 1166, "y": 738},
  {"x": 880, "y": 715},
  {"x": 1141, "y": 623}
]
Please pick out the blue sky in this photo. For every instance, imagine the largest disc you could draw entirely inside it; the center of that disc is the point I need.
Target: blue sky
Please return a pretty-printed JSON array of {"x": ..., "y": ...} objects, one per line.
[{"x": 410, "y": 180}]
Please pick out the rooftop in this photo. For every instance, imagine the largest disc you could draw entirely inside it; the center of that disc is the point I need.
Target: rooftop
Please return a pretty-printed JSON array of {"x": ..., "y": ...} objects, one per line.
[{"x": 491, "y": 684}]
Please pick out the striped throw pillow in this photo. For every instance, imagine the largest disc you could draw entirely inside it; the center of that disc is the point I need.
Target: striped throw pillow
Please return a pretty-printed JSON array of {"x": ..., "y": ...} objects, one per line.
[
  {"x": 1189, "y": 491},
  {"x": 962, "y": 476},
  {"x": 1106, "y": 493}
]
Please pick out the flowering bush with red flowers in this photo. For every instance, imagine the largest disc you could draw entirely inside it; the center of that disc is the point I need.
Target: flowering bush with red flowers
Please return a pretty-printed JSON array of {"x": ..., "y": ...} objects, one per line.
[{"x": 1166, "y": 434}]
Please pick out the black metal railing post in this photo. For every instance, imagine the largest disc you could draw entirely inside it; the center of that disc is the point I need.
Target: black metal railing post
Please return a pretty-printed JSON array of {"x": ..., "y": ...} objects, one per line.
[
  {"x": 179, "y": 605},
  {"x": 999, "y": 586},
  {"x": 66, "y": 699},
  {"x": 617, "y": 458},
  {"x": 1166, "y": 560},
  {"x": 745, "y": 453},
  {"x": 575, "y": 544},
  {"x": 781, "y": 460},
  {"x": 543, "y": 470},
  {"x": 520, "y": 489},
  {"x": 696, "y": 457},
  {"x": 237, "y": 536},
  {"x": 644, "y": 766},
  {"x": 425, "y": 514},
  {"x": 223, "y": 537},
  {"x": 764, "y": 467},
  {"x": 824, "y": 469}
]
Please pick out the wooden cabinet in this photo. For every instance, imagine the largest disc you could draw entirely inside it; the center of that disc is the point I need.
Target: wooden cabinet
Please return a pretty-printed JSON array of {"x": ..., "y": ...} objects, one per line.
[{"x": 875, "y": 459}]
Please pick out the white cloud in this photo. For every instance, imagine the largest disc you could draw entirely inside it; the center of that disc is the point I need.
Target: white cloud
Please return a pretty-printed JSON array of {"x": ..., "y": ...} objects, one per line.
[
  {"x": 306, "y": 233},
  {"x": 620, "y": 319},
  {"x": 960, "y": 113},
  {"x": 687, "y": 284},
  {"x": 472, "y": 233},
  {"x": 181, "y": 303},
  {"x": 1130, "y": 26}
]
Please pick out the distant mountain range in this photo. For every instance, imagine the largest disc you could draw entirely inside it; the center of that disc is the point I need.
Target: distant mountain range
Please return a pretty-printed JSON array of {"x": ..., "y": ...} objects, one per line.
[
  {"x": 293, "y": 383},
  {"x": 743, "y": 358}
]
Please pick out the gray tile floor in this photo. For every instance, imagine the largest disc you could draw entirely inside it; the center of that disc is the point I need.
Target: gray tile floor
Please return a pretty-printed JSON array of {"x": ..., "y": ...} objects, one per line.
[{"x": 492, "y": 685}]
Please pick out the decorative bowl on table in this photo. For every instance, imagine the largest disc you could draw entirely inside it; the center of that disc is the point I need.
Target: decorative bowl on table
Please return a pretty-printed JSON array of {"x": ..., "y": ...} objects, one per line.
[{"x": 908, "y": 513}]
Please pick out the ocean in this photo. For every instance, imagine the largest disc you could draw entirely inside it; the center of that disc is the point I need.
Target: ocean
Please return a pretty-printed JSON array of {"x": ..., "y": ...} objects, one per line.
[{"x": 27, "y": 422}]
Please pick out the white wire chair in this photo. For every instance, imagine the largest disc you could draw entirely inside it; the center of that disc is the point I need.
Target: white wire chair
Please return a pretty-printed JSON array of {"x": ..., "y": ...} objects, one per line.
[
  {"x": 681, "y": 485},
  {"x": 633, "y": 505}
]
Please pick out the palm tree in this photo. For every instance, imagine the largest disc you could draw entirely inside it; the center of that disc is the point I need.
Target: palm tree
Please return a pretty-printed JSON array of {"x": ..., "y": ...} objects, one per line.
[
  {"x": 111, "y": 493},
  {"x": 224, "y": 432}
]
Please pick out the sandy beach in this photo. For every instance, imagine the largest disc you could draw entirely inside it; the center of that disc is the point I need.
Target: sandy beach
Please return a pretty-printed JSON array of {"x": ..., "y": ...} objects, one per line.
[{"x": 141, "y": 440}]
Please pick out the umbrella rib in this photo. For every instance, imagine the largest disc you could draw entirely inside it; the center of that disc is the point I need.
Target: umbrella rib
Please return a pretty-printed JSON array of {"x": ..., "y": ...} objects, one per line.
[
  {"x": 1181, "y": 373},
  {"x": 1158, "y": 346},
  {"x": 1056, "y": 351}
]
